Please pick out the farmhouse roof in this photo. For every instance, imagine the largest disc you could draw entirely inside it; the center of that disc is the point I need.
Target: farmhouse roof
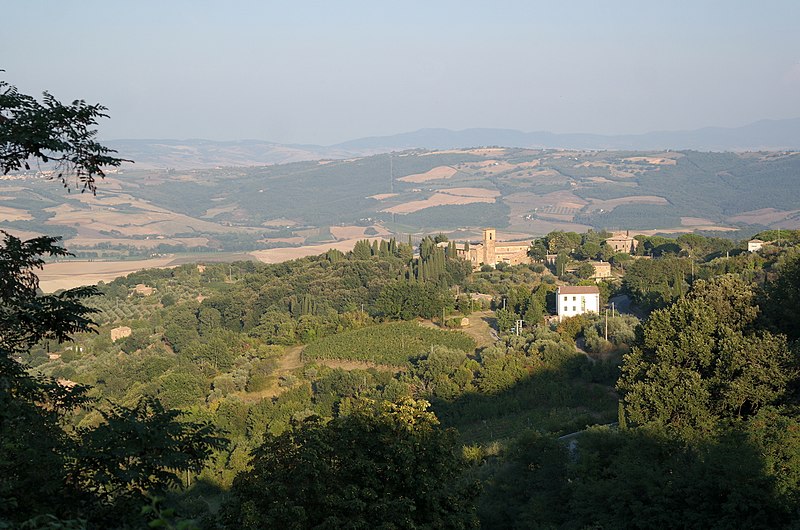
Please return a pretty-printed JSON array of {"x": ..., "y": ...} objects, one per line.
[
  {"x": 756, "y": 241},
  {"x": 578, "y": 289}
]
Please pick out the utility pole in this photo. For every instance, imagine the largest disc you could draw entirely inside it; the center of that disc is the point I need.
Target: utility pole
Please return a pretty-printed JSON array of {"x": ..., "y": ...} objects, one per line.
[{"x": 606, "y": 334}]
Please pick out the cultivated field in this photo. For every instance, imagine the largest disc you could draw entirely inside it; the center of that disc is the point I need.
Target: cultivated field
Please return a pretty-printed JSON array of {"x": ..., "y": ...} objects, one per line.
[
  {"x": 452, "y": 196},
  {"x": 437, "y": 173},
  {"x": 69, "y": 274},
  {"x": 277, "y": 255}
]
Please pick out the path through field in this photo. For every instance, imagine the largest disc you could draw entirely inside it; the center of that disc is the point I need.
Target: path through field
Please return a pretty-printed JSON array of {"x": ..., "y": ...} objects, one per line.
[
  {"x": 292, "y": 359},
  {"x": 480, "y": 329}
]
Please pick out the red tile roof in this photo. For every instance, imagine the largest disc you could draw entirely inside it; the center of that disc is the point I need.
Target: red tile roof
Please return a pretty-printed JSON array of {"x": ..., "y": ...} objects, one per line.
[{"x": 578, "y": 289}]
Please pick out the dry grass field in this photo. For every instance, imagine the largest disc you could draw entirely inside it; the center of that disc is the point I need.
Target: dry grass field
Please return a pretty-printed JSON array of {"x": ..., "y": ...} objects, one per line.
[
  {"x": 656, "y": 161},
  {"x": 277, "y": 255},
  {"x": 764, "y": 216},
  {"x": 69, "y": 274},
  {"x": 695, "y": 221},
  {"x": 454, "y": 196},
  {"x": 279, "y": 223},
  {"x": 635, "y": 199},
  {"x": 437, "y": 173},
  {"x": 86, "y": 240},
  {"x": 382, "y": 196},
  {"x": 14, "y": 214}
]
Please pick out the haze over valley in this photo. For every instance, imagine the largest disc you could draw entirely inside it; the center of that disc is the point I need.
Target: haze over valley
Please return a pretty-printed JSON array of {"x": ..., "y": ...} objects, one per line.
[{"x": 416, "y": 265}]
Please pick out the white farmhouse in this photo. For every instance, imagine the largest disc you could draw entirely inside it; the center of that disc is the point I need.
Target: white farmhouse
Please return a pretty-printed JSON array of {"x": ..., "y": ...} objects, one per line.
[
  {"x": 754, "y": 245},
  {"x": 577, "y": 300}
]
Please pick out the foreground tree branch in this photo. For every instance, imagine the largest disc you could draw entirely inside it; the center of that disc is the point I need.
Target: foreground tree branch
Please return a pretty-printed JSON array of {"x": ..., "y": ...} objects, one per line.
[{"x": 61, "y": 136}]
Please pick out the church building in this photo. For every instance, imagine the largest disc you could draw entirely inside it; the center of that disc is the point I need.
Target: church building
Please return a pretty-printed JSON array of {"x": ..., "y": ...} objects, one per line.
[{"x": 491, "y": 252}]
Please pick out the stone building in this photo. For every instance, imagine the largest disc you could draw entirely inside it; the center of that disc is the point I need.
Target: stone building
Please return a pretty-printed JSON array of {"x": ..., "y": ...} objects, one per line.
[
  {"x": 491, "y": 252},
  {"x": 120, "y": 333},
  {"x": 602, "y": 270},
  {"x": 143, "y": 290},
  {"x": 622, "y": 242}
]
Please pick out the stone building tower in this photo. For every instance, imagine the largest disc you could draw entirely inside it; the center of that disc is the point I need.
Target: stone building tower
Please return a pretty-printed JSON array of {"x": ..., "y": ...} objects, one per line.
[{"x": 489, "y": 240}]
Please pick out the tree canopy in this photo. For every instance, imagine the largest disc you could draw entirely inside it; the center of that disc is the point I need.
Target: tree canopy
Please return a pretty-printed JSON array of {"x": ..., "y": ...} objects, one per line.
[
  {"x": 50, "y": 132},
  {"x": 383, "y": 465},
  {"x": 700, "y": 361}
]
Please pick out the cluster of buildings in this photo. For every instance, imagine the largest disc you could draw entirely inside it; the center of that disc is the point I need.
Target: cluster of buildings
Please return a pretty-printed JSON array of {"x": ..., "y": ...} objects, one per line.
[
  {"x": 570, "y": 300},
  {"x": 489, "y": 252}
]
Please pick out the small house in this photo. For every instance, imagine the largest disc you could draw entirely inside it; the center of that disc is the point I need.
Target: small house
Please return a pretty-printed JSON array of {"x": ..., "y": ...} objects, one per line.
[
  {"x": 120, "y": 333},
  {"x": 573, "y": 300},
  {"x": 754, "y": 245},
  {"x": 602, "y": 270}
]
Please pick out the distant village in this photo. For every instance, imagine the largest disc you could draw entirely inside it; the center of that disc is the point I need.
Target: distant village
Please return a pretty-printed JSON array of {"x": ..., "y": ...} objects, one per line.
[{"x": 571, "y": 300}]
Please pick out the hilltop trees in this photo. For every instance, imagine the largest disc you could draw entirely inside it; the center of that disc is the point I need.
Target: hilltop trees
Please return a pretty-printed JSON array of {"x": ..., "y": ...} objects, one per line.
[{"x": 30, "y": 407}]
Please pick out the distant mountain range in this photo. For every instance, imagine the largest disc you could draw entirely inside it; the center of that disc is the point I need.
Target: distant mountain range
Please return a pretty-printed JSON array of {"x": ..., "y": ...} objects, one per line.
[{"x": 764, "y": 135}]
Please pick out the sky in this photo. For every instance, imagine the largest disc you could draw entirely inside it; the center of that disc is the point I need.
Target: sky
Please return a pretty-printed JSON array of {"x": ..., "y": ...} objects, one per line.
[{"x": 330, "y": 71}]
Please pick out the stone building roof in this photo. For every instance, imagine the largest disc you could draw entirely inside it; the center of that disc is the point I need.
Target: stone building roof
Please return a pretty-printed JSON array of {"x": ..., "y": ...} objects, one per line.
[{"x": 578, "y": 289}]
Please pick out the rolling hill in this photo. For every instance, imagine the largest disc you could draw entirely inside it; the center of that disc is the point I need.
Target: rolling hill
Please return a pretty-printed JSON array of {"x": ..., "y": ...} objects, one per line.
[{"x": 524, "y": 192}]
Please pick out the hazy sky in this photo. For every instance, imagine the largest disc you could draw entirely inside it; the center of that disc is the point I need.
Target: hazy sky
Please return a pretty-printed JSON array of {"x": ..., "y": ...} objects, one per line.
[{"x": 329, "y": 71}]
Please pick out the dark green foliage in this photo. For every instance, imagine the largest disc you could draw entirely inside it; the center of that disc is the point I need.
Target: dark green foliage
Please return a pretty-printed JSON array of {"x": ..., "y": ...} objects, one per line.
[
  {"x": 641, "y": 479},
  {"x": 51, "y": 132},
  {"x": 699, "y": 361},
  {"x": 653, "y": 284},
  {"x": 31, "y": 407},
  {"x": 444, "y": 373},
  {"x": 177, "y": 388},
  {"x": 139, "y": 450},
  {"x": 506, "y": 319},
  {"x": 25, "y": 317},
  {"x": 95, "y": 472},
  {"x": 641, "y": 216},
  {"x": 387, "y": 465},
  {"x": 407, "y": 300},
  {"x": 362, "y": 250},
  {"x": 783, "y": 302},
  {"x": 451, "y": 217},
  {"x": 531, "y": 489}
]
